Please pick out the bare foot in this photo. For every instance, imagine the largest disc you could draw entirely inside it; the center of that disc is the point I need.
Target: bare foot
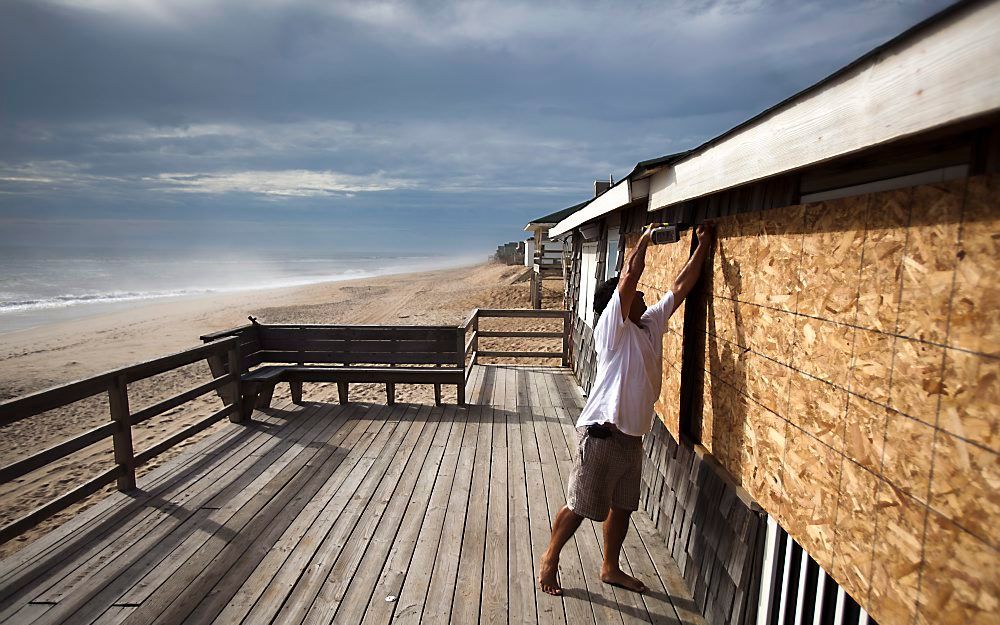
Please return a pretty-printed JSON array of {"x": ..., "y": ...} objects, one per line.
[
  {"x": 622, "y": 580},
  {"x": 547, "y": 576}
]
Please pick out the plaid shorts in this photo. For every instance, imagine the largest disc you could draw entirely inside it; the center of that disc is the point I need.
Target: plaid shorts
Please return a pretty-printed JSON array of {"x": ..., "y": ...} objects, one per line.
[{"x": 606, "y": 472}]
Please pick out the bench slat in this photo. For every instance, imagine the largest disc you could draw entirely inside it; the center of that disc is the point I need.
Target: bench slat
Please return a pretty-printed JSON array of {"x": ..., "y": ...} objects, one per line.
[{"x": 352, "y": 358}]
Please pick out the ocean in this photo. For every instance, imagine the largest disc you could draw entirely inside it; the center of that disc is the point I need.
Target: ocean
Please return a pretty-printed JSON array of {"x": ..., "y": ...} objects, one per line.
[{"x": 41, "y": 286}]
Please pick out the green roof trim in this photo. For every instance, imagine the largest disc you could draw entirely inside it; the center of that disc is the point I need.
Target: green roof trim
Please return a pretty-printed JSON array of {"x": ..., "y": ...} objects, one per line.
[{"x": 556, "y": 217}]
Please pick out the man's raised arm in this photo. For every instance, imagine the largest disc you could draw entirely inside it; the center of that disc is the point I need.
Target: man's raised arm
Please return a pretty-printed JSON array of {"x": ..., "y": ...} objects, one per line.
[
  {"x": 688, "y": 276},
  {"x": 634, "y": 265}
]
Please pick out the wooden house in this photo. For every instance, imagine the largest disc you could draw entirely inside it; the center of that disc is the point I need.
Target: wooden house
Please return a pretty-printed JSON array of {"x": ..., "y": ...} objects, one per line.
[{"x": 828, "y": 441}]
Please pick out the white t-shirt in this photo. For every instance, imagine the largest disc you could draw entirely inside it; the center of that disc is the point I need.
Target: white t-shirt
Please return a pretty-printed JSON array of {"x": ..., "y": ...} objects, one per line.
[{"x": 629, "y": 367}]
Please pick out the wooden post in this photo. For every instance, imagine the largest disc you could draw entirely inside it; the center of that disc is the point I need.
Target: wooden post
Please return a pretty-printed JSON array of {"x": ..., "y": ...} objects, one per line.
[
  {"x": 219, "y": 368},
  {"x": 565, "y": 338},
  {"x": 460, "y": 346},
  {"x": 343, "y": 390},
  {"x": 437, "y": 394},
  {"x": 475, "y": 338},
  {"x": 296, "y": 388},
  {"x": 390, "y": 393},
  {"x": 235, "y": 387},
  {"x": 122, "y": 438}
]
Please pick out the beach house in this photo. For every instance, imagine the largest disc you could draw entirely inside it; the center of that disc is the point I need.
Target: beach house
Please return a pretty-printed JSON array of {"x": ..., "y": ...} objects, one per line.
[{"x": 827, "y": 446}]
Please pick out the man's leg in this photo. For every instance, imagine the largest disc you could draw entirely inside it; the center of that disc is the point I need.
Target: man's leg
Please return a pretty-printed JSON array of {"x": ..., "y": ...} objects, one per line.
[
  {"x": 615, "y": 528},
  {"x": 566, "y": 523}
]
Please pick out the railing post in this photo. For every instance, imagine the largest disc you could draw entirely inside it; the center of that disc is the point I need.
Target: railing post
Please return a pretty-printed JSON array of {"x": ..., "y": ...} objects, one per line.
[
  {"x": 565, "y": 338},
  {"x": 120, "y": 414},
  {"x": 235, "y": 391},
  {"x": 460, "y": 346},
  {"x": 475, "y": 338}
]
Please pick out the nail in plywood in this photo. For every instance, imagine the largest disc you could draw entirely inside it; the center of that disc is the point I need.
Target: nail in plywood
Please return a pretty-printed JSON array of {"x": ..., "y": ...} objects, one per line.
[
  {"x": 975, "y": 324},
  {"x": 831, "y": 258},
  {"x": 779, "y": 256},
  {"x": 855, "y": 530},
  {"x": 961, "y": 577},
  {"x": 965, "y": 486},
  {"x": 916, "y": 379},
  {"x": 906, "y": 462},
  {"x": 864, "y": 431},
  {"x": 929, "y": 260},
  {"x": 872, "y": 364},
  {"x": 823, "y": 349},
  {"x": 811, "y": 480},
  {"x": 896, "y": 562},
  {"x": 970, "y": 398},
  {"x": 818, "y": 408},
  {"x": 882, "y": 259}
]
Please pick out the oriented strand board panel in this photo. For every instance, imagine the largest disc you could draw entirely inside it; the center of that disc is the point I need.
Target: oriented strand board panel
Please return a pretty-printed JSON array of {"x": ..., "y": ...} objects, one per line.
[
  {"x": 852, "y": 378},
  {"x": 975, "y": 324}
]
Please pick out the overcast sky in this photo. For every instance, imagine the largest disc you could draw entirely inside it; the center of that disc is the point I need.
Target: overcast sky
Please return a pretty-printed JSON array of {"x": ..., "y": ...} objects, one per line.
[{"x": 438, "y": 127}]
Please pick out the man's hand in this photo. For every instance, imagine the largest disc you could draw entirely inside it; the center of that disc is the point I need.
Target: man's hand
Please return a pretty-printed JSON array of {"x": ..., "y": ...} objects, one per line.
[
  {"x": 706, "y": 233},
  {"x": 688, "y": 276}
]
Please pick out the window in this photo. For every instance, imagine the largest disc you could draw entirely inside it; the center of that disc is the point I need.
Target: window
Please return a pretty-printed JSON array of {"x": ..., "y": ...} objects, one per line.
[{"x": 611, "y": 260}]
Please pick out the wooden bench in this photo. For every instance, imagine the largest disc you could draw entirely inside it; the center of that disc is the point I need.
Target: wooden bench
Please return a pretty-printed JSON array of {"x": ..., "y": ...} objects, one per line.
[{"x": 391, "y": 355}]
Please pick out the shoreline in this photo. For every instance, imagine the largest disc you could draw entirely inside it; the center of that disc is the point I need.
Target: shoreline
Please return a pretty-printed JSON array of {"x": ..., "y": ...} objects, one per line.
[{"x": 81, "y": 310}]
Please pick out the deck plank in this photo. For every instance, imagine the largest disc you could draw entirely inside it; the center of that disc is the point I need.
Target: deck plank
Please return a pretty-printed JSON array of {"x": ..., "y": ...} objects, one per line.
[
  {"x": 351, "y": 521},
  {"x": 319, "y": 513},
  {"x": 350, "y": 586},
  {"x": 520, "y": 570},
  {"x": 441, "y": 591}
]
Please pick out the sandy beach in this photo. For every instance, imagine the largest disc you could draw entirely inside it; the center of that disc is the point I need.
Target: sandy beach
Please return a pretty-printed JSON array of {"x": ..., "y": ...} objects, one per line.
[{"x": 38, "y": 358}]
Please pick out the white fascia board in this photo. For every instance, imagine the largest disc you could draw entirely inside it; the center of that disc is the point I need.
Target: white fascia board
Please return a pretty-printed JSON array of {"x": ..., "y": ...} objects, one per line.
[
  {"x": 614, "y": 198},
  {"x": 948, "y": 73}
]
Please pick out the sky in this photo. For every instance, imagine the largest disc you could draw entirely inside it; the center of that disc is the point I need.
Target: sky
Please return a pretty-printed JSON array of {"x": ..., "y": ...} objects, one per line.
[{"x": 380, "y": 126}]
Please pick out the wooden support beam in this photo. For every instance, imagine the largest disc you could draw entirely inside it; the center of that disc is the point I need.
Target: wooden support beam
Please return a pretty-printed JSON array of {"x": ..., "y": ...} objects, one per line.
[
  {"x": 296, "y": 387},
  {"x": 390, "y": 393},
  {"x": 343, "y": 390},
  {"x": 565, "y": 338},
  {"x": 437, "y": 394},
  {"x": 235, "y": 390},
  {"x": 120, "y": 415}
]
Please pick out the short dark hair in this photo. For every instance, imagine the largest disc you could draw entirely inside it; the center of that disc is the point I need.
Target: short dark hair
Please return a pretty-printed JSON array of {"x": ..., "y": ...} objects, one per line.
[{"x": 603, "y": 294}]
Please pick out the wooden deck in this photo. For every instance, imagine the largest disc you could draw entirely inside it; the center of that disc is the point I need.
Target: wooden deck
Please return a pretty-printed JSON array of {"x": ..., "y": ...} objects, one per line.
[{"x": 363, "y": 513}]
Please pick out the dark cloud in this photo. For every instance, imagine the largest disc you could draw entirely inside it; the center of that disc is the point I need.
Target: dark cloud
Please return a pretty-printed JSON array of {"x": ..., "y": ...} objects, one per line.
[{"x": 470, "y": 116}]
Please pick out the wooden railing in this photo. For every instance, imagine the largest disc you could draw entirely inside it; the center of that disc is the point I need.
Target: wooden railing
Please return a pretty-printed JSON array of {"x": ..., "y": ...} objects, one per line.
[
  {"x": 119, "y": 429},
  {"x": 472, "y": 340}
]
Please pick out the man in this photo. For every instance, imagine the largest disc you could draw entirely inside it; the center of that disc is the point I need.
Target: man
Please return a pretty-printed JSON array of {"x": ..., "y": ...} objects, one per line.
[{"x": 604, "y": 484}]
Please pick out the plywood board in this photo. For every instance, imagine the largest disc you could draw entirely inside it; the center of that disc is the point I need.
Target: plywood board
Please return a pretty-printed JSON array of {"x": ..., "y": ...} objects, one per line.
[
  {"x": 779, "y": 257},
  {"x": 929, "y": 260},
  {"x": 896, "y": 563},
  {"x": 823, "y": 349},
  {"x": 855, "y": 530},
  {"x": 965, "y": 486},
  {"x": 864, "y": 432},
  {"x": 818, "y": 408},
  {"x": 871, "y": 365},
  {"x": 811, "y": 480},
  {"x": 916, "y": 379},
  {"x": 888, "y": 215},
  {"x": 975, "y": 324},
  {"x": 830, "y": 261},
  {"x": 906, "y": 462},
  {"x": 970, "y": 398},
  {"x": 961, "y": 577}
]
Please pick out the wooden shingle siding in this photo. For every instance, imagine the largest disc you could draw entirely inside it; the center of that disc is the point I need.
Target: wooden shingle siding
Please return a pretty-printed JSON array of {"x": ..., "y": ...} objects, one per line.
[{"x": 714, "y": 535}]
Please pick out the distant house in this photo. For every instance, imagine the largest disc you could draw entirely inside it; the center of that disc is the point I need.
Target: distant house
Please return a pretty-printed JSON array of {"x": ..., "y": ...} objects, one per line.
[
  {"x": 828, "y": 442},
  {"x": 543, "y": 254}
]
